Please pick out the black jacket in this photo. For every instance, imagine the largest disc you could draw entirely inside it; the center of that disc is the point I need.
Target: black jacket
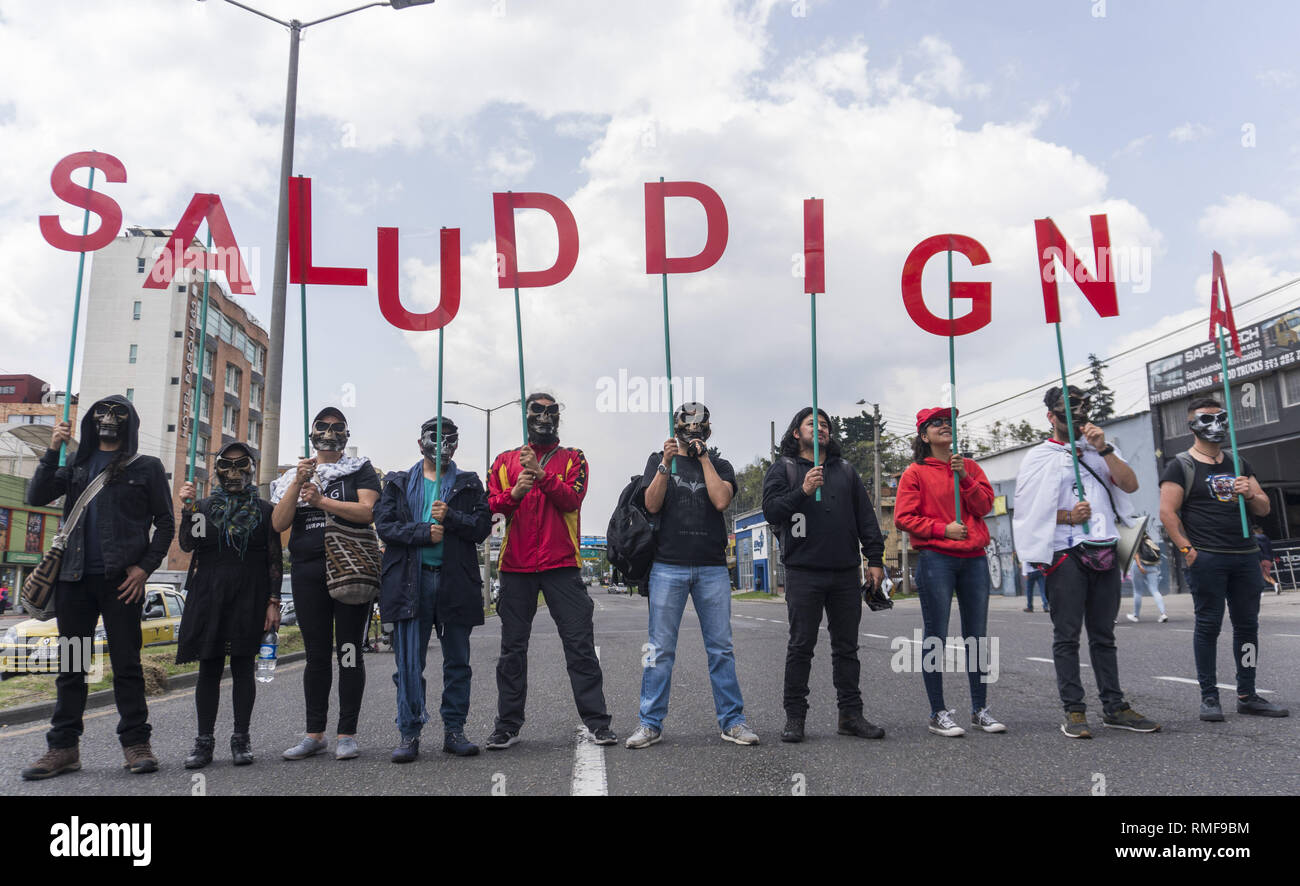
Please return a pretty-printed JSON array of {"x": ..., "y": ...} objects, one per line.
[
  {"x": 468, "y": 522},
  {"x": 831, "y": 529},
  {"x": 125, "y": 508}
]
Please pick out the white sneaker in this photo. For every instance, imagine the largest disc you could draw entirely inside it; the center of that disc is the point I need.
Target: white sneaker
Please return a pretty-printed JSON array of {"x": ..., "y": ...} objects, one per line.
[
  {"x": 1163, "y": 618},
  {"x": 643, "y": 737},
  {"x": 1131, "y": 617},
  {"x": 942, "y": 723}
]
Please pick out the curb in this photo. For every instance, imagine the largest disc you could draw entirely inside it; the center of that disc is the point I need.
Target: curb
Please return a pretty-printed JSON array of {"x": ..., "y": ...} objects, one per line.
[{"x": 43, "y": 710}]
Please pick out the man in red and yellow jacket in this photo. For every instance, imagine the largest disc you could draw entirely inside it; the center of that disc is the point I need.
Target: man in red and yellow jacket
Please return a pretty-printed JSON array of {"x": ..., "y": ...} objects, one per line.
[{"x": 539, "y": 489}]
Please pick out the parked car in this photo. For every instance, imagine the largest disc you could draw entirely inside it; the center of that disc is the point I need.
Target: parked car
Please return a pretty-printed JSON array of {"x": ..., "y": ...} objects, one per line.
[
  {"x": 496, "y": 590},
  {"x": 288, "y": 615},
  {"x": 32, "y": 647}
]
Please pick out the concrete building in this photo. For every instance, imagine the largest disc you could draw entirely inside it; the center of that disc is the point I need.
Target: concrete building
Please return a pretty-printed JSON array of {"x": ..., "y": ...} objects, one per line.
[
  {"x": 144, "y": 343},
  {"x": 28, "y": 410}
]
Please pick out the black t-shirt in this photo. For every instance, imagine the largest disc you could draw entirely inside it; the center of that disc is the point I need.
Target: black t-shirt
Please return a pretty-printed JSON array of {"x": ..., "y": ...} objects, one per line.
[
  {"x": 692, "y": 532},
  {"x": 1210, "y": 514},
  {"x": 307, "y": 541}
]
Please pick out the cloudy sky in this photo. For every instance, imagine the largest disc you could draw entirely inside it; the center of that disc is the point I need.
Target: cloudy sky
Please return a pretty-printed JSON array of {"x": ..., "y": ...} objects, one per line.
[{"x": 1177, "y": 119}]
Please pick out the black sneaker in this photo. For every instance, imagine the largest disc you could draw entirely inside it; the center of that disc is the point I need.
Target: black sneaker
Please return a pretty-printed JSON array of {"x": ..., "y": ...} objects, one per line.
[
  {"x": 1127, "y": 718},
  {"x": 241, "y": 749},
  {"x": 1211, "y": 710},
  {"x": 500, "y": 739},
  {"x": 456, "y": 743},
  {"x": 603, "y": 736},
  {"x": 407, "y": 750},
  {"x": 1253, "y": 704},
  {"x": 793, "y": 731},
  {"x": 1076, "y": 725},
  {"x": 854, "y": 723},
  {"x": 201, "y": 756}
]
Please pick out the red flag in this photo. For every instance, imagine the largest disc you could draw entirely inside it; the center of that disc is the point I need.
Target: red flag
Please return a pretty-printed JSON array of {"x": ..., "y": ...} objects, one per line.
[
  {"x": 814, "y": 248},
  {"x": 1222, "y": 317}
]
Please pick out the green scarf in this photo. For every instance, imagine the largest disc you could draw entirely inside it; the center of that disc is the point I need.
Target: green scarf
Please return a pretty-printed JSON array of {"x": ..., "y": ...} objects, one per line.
[{"x": 236, "y": 516}]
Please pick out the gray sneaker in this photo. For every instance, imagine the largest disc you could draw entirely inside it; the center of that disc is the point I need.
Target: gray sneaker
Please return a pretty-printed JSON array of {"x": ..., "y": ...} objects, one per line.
[
  {"x": 740, "y": 733},
  {"x": 346, "y": 749},
  {"x": 986, "y": 721},
  {"x": 942, "y": 723},
  {"x": 643, "y": 737},
  {"x": 306, "y": 748}
]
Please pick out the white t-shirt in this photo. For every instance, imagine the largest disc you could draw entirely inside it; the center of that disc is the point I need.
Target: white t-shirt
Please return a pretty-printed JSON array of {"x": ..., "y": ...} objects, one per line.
[{"x": 1045, "y": 484}]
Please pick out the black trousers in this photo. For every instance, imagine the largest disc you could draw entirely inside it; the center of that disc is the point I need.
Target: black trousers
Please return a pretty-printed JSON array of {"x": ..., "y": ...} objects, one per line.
[
  {"x": 78, "y": 606},
  {"x": 329, "y": 629},
  {"x": 207, "y": 693},
  {"x": 808, "y": 593},
  {"x": 571, "y": 608},
  {"x": 1082, "y": 597}
]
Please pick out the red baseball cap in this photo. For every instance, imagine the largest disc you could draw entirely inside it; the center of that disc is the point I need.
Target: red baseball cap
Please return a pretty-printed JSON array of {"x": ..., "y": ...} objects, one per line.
[{"x": 933, "y": 412}]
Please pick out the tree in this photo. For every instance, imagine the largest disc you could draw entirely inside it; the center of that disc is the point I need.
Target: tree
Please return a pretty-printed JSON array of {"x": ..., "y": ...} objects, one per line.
[
  {"x": 1024, "y": 433},
  {"x": 1103, "y": 399}
]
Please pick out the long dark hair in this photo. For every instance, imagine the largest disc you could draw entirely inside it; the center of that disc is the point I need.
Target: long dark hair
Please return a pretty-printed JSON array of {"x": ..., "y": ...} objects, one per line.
[
  {"x": 790, "y": 441},
  {"x": 920, "y": 449}
]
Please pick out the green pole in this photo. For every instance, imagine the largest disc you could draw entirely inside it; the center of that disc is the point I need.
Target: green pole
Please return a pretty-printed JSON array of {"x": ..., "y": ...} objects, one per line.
[
  {"x": 816, "y": 416},
  {"x": 1069, "y": 421},
  {"x": 952, "y": 389},
  {"x": 668, "y": 359},
  {"x": 76, "y": 313},
  {"x": 1232, "y": 431},
  {"x": 197, "y": 391},
  {"x": 519, "y": 342},
  {"x": 302, "y": 297},
  {"x": 437, "y": 462}
]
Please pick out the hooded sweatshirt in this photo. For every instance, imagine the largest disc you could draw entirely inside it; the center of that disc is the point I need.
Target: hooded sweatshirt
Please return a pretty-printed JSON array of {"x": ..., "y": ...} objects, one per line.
[
  {"x": 925, "y": 506},
  {"x": 121, "y": 516}
]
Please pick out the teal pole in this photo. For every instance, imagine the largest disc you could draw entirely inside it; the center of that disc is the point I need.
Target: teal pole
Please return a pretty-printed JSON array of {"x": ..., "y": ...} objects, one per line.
[
  {"x": 76, "y": 313},
  {"x": 1069, "y": 421},
  {"x": 1232, "y": 431},
  {"x": 668, "y": 360},
  {"x": 197, "y": 391},
  {"x": 302, "y": 297},
  {"x": 519, "y": 342},
  {"x": 952, "y": 388},
  {"x": 437, "y": 470}
]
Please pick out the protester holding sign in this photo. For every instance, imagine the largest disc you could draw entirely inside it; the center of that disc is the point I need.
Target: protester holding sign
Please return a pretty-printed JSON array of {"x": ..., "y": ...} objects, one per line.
[
  {"x": 819, "y": 548},
  {"x": 1083, "y": 573},
  {"x": 539, "y": 488},
  {"x": 690, "y": 560},
  {"x": 344, "y": 488},
  {"x": 951, "y": 560},
  {"x": 1198, "y": 506}
]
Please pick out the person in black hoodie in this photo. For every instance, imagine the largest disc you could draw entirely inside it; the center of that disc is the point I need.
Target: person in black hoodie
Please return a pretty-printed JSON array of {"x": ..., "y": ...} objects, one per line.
[
  {"x": 108, "y": 557},
  {"x": 430, "y": 521},
  {"x": 233, "y": 595},
  {"x": 819, "y": 547}
]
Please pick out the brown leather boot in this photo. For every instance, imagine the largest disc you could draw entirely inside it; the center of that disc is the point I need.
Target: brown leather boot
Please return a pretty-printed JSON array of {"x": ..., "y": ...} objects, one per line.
[
  {"x": 140, "y": 758},
  {"x": 56, "y": 761}
]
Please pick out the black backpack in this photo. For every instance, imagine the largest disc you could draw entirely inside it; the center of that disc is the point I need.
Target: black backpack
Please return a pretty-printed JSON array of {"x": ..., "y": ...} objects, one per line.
[{"x": 630, "y": 536}]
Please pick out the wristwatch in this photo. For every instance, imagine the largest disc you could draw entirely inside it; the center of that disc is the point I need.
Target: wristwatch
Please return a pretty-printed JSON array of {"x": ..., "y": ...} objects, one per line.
[
  {"x": 662, "y": 468},
  {"x": 1185, "y": 549},
  {"x": 1106, "y": 450}
]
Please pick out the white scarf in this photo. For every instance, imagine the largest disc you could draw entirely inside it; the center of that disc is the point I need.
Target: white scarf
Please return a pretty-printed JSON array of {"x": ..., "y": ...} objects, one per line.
[{"x": 326, "y": 473}]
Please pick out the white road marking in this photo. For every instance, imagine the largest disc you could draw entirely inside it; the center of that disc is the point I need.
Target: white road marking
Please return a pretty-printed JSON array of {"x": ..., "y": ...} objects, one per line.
[
  {"x": 1297, "y": 636},
  {"x": 876, "y": 636},
  {"x": 1219, "y": 685},
  {"x": 588, "y": 764}
]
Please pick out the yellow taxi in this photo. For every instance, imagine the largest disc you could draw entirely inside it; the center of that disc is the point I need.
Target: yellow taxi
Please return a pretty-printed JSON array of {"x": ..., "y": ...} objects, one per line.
[{"x": 33, "y": 647}]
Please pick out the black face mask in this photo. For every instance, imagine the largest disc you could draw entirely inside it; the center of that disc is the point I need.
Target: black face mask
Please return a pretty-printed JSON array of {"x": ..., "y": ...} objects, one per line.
[
  {"x": 429, "y": 445},
  {"x": 1078, "y": 411},
  {"x": 110, "y": 421},
  {"x": 543, "y": 424},
  {"x": 329, "y": 436},
  {"x": 235, "y": 474},
  {"x": 1210, "y": 427},
  {"x": 691, "y": 426}
]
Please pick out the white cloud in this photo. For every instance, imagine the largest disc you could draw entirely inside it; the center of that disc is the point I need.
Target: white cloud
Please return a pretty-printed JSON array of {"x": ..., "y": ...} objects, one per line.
[
  {"x": 1276, "y": 78},
  {"x": 944, "y": 74},
  {"x": 1241, "y": 217},
  {"x": 1189, "y": 132},
  {"x": 1134, "y": 147}
]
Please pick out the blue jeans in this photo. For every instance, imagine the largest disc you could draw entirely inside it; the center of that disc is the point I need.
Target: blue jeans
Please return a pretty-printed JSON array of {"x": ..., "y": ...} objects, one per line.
[
  {"x": 710, "y": 588},
  {"x": 942, "y": 576},
  {"x": 1233, "y": 580},
  {"x": 1032, "y": 580},
  {"x": 411, "y": 650},
  {"x": 1152, "y": 581}
]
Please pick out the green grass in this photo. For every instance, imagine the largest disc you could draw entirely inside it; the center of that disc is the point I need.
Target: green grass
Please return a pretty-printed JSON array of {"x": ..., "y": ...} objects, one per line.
[
  {"x": 755, "y": 595},
  {"x": 159, "y": 663}
]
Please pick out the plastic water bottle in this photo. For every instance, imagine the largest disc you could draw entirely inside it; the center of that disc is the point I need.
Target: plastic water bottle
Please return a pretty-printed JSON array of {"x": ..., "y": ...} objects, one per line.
[{"x": 266, "y": 657}]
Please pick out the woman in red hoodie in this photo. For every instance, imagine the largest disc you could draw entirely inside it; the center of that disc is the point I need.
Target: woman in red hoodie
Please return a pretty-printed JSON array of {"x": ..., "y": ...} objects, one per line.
[{"x": 951, "y": 560}]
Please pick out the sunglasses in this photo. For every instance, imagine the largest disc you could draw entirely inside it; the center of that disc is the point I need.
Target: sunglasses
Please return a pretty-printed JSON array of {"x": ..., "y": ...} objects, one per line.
[
  {"x": 338, "y": 427},
  {"x": 234, "y": 464},
  {"x": 118, "y": 412},
  {"x": 539, "y": 409},
  {"x": 938, "y": 423},
  {"x": 1205, "y": 419}
]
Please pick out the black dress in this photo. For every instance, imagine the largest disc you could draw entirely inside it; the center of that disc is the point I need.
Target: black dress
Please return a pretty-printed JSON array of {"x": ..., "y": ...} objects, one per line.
[{"x": 225, "y": 607}]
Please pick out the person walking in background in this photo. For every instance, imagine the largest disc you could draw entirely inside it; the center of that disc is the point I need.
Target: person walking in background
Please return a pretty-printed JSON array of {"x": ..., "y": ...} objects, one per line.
[
  {"x": 1267, "y": 561},
  {"x": 1146, "y": 571},
  {"x": 346, "y": 488},
  {"x": 951, "y": 560},
  {"x": 820, "y": 541},
  {"x": 1034, "y": 578},
  {"x": 232, "y": 597}
]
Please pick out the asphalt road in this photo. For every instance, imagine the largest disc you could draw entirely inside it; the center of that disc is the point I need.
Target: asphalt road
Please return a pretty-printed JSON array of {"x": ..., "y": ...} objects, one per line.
[{"x": 1241, "y": 756}]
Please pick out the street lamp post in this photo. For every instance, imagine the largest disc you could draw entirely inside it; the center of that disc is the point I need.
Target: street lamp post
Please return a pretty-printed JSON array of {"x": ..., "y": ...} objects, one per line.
[
  {"x": 487, "y": 468},
  {"x": 279, "y": 280}
]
